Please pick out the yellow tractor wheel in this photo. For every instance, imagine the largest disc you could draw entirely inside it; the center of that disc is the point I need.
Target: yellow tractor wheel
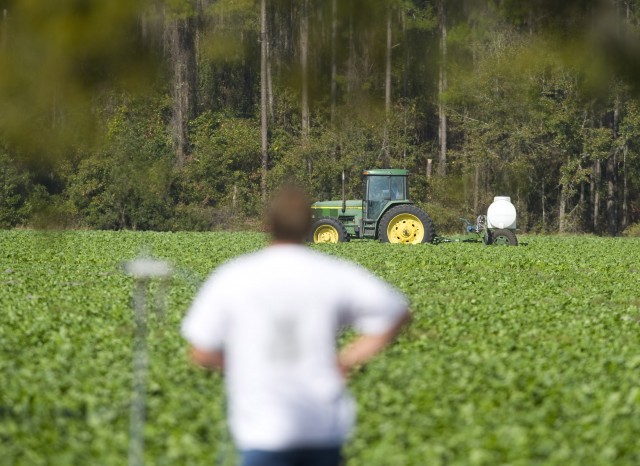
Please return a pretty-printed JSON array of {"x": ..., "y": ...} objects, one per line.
[
  {"x": 406, "y": 224},
  {"x": 328, "y": 230}
]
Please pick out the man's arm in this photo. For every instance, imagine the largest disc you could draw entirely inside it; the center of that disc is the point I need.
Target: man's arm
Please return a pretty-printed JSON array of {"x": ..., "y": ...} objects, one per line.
[
  {"x": 212, "y": 360},
  {"x": 365, "y": 347}
]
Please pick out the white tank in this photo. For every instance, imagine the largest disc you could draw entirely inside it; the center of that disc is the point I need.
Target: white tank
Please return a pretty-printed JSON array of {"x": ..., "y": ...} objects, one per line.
[{"x": 501, "y": 213}]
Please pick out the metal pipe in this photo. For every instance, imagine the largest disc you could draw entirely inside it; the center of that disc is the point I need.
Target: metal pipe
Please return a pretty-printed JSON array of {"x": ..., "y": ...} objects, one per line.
[
  {"x": 142, "y": 270},
  {"x": 344, "y": 198}
]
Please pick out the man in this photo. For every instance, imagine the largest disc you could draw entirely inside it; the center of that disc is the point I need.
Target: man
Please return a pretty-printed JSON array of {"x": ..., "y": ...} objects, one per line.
[{"x": 269, "y": 320}]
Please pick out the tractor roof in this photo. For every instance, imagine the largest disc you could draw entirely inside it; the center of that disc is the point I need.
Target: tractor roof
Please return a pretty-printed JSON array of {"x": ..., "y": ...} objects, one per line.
[{"x": 387, "y": 172}]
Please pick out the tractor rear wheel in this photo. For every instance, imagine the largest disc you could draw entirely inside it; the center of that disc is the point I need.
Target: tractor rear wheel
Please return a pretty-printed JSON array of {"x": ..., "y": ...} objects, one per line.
[
  {"x": 328, "y": 230},
  {"x": 407, "y": 224},
  {"x": 503, "y": 237}
]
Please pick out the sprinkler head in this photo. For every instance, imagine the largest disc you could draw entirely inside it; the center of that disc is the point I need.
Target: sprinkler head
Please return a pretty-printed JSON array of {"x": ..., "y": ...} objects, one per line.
[{"x": 146, "y": 267}]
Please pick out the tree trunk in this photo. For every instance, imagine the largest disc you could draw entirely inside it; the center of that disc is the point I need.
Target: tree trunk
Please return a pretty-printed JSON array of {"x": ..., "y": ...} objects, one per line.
[
  {"x": 234, "y": 197},
  {"x": 405, "y": 80},
  {"x": 476, "y": 191},
  {"x": 612, "y": 179},
  {"x": 334, "y": 78},
  {"x": 351, "y": 65},
  {"x": 612, "y": 227},
  {"x": 334, "y": 72},
  {"x": 442, "y": 87},
  {"x": 269, "y": 80},
  {"x": 625, "y": 191},
  {"x": 263, "y": 97},
  {"x": 304, "y": 65},
  {"x": 562, "y": 210},
  {"x": 544, "y": 210},
  {"x": 595, "y": 187},
  {"x": 181, "y": 35},
  {"x": 387, "y": 94}
]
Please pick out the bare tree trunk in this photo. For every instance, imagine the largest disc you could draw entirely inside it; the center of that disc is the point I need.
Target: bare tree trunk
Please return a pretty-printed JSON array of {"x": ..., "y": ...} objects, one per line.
[
  {"x": 476, "y": 191},
  {"x": 269, "y": 81},
  {"x": 123, "y": 219},
  {"x": 429, "y": 168},
  {"x": 263, "y": 97},
  {"x": 442, "y": 87},
  {"x": 387, "y": 94},
  {"x": 334, "y": 72},
  {"x": 544, "y": 211},
  {"x": 582, "y": 203},
  {"x": 625, "y": 191},
  {"x": 628, "y": 10},
  {"x": 351, "y": 66},
  {"x": 612, "y": 176},
  {"x": 153, "y": 26},
  {"x": 562, "y": 210},
  {"x": 334, "y": 77},
  {"x": 181, "y": 36},
  {"x": 595, "y": 180},
  {"x": 405, "y": 80},
  {"x": 612, "y": 227},
  {"x": 234, "y": 198},
  {"x": 304, "y": 57}
]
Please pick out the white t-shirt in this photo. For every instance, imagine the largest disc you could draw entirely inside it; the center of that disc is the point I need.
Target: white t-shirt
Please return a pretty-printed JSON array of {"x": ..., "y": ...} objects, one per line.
[{"x": 276, "y": 314}]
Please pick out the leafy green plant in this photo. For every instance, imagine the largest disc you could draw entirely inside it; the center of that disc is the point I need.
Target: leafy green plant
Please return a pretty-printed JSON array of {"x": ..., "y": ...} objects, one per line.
[{"x": 523, "y": 355}]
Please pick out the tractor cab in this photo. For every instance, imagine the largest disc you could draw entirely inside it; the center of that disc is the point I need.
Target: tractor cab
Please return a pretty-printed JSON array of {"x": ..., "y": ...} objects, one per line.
[{"x": 382, "y": 187}]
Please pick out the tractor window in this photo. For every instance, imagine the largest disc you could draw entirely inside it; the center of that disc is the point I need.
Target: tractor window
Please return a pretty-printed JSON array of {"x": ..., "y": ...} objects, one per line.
[
  {"x": 398, "y": 188},
  {"x": 378, "y": 188},
  {"x": 378, "y": 193}
]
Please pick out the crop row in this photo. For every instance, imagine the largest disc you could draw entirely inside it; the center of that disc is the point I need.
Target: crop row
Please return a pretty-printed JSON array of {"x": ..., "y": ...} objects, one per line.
[{"x": 526, "y": 355}]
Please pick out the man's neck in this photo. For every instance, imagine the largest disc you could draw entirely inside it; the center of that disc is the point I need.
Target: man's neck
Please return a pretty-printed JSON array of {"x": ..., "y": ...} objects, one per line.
[{"x": 280, "y": 242}]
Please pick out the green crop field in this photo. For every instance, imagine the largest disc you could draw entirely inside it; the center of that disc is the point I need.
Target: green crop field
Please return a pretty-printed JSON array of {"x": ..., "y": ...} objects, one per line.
[{"x": 527, "y": 355}]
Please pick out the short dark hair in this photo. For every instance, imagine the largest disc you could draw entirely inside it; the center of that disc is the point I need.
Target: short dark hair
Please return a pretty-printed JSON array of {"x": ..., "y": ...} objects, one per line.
[{"x": 289, "y": 214}]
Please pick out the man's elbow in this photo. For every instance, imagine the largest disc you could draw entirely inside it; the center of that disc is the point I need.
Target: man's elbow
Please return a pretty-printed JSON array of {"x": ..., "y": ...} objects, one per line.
[
  {"x": 403, "y": 321},
  {"x": 406, "y": 318},
  {"x": 390, "y": 335},
  {"x": 212, "y": 360}
]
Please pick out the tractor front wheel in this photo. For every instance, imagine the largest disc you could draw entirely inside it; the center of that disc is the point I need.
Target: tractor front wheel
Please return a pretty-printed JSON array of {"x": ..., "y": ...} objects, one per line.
[
  {"x": 407, "y": 224},
  {"x": 328, "y": 230},
  {"x": 503, "y": 237}
]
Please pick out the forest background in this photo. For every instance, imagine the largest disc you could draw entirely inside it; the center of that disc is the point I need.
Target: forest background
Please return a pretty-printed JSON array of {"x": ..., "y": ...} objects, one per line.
[{"x": 184, "y": 114}]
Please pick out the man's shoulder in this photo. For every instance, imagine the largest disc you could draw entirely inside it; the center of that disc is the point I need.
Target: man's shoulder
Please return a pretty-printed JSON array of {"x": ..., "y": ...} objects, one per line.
[
  {"x": 238, "y": 263},
  {"x": 278, "y": 256}
]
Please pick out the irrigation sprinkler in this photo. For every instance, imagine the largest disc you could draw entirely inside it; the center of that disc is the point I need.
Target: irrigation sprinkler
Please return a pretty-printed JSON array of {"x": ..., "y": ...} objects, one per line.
[{"x": 143, "y": 270}]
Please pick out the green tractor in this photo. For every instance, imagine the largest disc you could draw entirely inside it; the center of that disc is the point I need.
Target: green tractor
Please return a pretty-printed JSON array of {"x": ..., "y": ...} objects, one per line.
[{"x": 385, "y": 213}]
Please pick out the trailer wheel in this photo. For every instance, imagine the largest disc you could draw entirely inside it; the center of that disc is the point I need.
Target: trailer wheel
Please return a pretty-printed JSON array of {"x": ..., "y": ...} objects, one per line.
[
  {"x": 328, "y": 230},
  {"x": 502, "y": 237},
  {"x": 407, "y": 224}
]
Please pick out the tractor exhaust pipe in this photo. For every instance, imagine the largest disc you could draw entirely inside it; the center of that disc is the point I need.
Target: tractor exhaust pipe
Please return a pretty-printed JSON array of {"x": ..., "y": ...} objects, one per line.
[{"x": 344, "y": 199}]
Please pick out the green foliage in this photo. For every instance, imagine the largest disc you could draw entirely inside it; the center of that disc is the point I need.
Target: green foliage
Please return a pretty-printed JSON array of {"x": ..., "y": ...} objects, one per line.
[
  {"x": 632, "y": 230},
  {"x": 180, "y": 9},
  {"x": 224, "y": 167},
  {"x": 419, "y": 17},
  {"x": 523, "y": 355},
  {"x": 14, "y": 190},
  {"x": 533, "y": 92},
  {"x": 55, "y": 59},
  {"x": 128, "y": 183}
]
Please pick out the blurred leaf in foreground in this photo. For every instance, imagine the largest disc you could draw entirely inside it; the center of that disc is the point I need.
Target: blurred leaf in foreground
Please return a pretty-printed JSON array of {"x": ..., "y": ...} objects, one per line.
[{"x": 57, "y": 57}]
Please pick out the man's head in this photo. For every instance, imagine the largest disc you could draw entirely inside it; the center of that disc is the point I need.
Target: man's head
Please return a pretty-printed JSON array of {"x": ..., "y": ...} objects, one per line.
[{"x": 289, "y": 215}]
